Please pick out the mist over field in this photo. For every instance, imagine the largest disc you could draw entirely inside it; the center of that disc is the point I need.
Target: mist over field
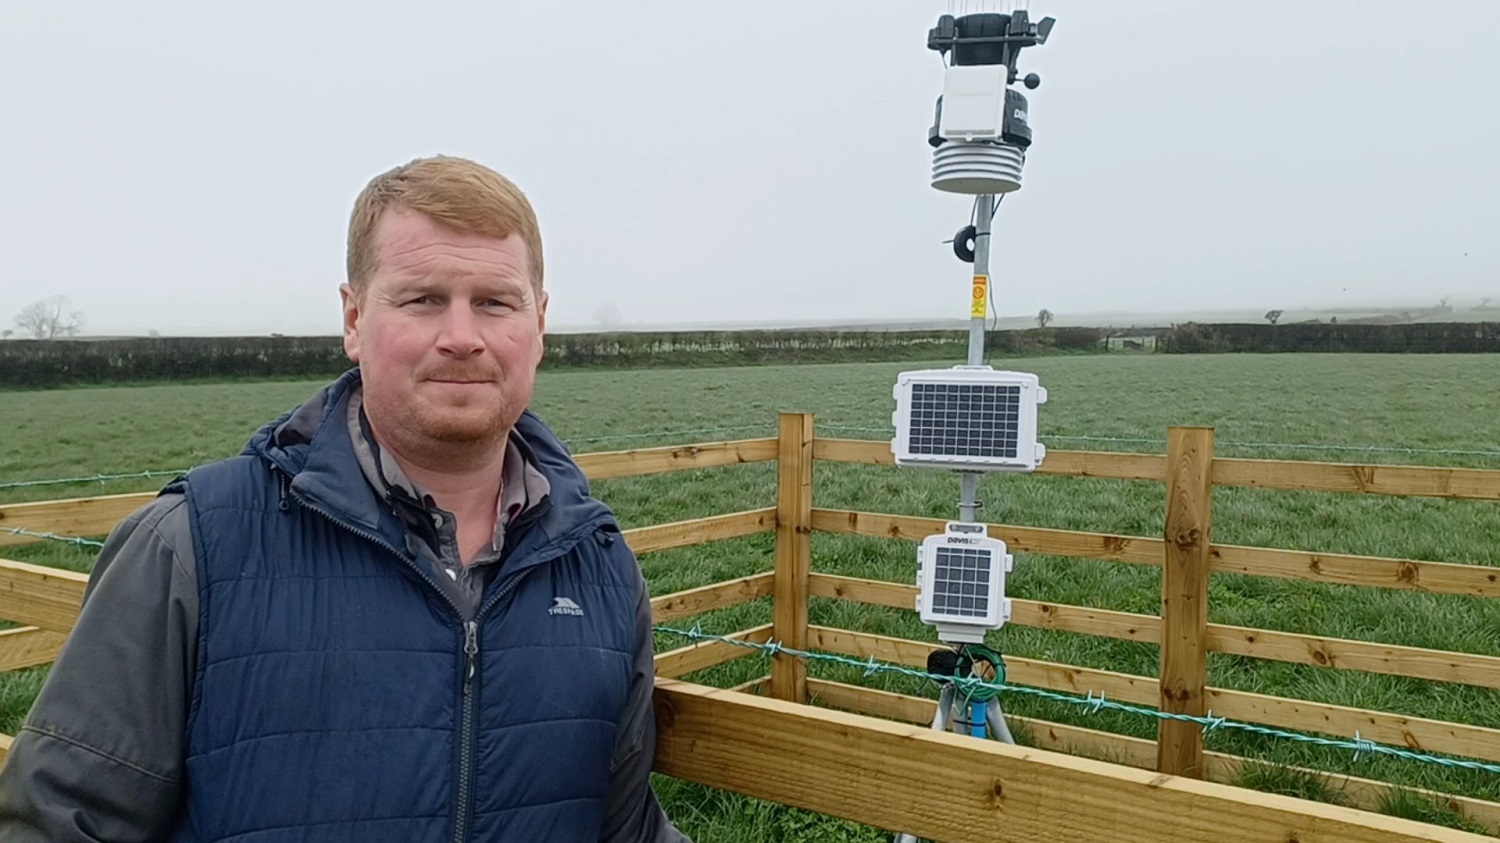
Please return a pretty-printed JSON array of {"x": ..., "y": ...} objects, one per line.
[{"x": 190, "y": 172}]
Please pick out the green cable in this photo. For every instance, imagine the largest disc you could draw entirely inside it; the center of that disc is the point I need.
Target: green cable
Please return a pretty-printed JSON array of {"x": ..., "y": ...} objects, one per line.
[{"x": 975, "y": 688}]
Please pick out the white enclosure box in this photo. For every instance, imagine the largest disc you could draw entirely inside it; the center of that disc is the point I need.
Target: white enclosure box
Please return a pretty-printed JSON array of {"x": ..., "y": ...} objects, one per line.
[
  {"x": 967, "y": 418},
  {"x": 961, "y": 582},
  {"x": 973, "y": 102}
]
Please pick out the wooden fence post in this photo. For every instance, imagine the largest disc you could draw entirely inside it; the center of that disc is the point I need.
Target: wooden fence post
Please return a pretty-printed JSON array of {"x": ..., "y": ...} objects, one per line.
[
  {"x": 794, "y": 464},
  {"x": 1184, "y": 606}
]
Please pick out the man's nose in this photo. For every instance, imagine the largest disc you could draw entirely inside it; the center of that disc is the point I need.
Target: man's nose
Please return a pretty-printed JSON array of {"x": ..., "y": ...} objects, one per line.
[{"x": 459, "y": 336}]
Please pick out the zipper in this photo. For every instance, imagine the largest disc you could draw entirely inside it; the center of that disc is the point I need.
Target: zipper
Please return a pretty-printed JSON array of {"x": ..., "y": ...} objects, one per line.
[
  {"x": 467, "y": 726},
  {"x": 471, "y": 648},
  {"x": 466, "y": 736}
]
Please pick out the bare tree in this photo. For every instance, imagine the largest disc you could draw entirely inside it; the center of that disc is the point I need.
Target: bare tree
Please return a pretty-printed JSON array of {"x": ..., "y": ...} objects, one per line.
[
  {"x": 46, "y": 320},
  {"x": 1043, "y": 317},
  {"x": 5, "y": 334},
  {"x": 1272, "y": 316}
]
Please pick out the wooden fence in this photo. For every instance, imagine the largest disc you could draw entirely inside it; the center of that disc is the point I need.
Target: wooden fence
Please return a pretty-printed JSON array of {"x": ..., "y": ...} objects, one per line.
[{"x": 855, "y": 754}]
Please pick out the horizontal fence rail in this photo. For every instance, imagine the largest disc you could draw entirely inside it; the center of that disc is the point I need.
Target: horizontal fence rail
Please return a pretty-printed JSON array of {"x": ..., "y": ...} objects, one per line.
[
  {"x": 1347, "y": 569},
  {"x": 1065, "y": 463},
  {"x": 644, "y": 461},
  {"x": 94, "y": 516},
  {"x": 696, "y": 601},
  {"x": 701, "y": 530},
  {"x": 1365, "y": 794},
  {"x": 29, "y": 646},
  {"x": 950, "y": 787},
  {"x": 1463, "y": 483},
  {"x": 1289, "y": 475},
  {"x": 36, "y": 595}
]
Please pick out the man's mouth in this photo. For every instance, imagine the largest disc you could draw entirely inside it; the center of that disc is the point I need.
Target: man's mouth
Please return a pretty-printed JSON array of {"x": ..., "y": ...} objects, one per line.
[{"x": 460, "y": 380}]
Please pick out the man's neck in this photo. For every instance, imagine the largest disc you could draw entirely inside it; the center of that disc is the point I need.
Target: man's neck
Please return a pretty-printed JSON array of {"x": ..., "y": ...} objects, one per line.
[{"x": 466, "y": 484}]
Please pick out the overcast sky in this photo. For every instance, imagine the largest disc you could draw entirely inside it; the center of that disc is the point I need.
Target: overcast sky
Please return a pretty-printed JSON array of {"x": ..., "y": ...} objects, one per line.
[{"x": 189, "y": 166}]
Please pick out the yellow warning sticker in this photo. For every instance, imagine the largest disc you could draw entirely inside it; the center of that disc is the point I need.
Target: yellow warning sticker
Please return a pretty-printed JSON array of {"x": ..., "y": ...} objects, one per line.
[{"x": 977, "y": 303}]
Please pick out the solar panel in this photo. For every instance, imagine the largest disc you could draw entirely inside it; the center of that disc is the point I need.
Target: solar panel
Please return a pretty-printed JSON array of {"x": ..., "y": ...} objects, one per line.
[
  {"x": 969, "y": 420},
  {"x": 961, "y": 582},
  {"x": 968, "y": 417}
]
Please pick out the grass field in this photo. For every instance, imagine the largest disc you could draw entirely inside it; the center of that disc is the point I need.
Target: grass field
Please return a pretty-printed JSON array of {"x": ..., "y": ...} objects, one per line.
[{"x": 1272, "y": 406}]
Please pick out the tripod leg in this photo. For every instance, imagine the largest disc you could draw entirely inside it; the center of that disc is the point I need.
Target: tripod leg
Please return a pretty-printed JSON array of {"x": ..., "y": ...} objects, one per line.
[
  {"x": 996, "y": 719},
  {"x": 943, "y": 716}
]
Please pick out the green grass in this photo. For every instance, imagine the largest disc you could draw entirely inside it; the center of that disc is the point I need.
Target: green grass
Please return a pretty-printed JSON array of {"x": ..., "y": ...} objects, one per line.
[{"x": 1446, "y": 403}]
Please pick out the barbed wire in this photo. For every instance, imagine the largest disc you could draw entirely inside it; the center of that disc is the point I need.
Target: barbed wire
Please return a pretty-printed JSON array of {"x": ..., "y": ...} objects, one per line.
[
  {"x": 1092, "y": 703},
  {"x": 81, "y": 542},
  {"x": 99, "y": 478}
]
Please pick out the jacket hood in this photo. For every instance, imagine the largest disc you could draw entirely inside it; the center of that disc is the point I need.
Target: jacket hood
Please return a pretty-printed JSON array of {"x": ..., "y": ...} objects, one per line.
[{"x": 309, "y": 446}]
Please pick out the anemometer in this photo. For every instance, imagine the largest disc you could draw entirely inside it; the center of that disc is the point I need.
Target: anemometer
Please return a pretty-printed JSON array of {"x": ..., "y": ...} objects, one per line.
[{"x": 970, "y": 418}]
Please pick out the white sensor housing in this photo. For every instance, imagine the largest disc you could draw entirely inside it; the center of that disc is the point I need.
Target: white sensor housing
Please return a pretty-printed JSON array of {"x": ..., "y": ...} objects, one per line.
[
  {"x": 973, "y": 102},
  {"x": 961, "y": 582},
  {"x": 967, "y": 418}
]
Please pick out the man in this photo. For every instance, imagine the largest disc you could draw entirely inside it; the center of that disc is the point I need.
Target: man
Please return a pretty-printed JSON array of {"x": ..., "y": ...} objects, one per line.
[{"x": 397, "y": 615}]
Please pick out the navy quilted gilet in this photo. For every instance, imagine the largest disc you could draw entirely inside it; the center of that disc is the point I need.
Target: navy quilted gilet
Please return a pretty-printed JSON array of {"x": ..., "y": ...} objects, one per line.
[{"x": 341, "y": 697}]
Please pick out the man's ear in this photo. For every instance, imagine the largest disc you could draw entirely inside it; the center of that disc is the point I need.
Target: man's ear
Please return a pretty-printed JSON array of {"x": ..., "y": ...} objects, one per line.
[
  {"x": 541, "y": 325},
  {"x": 351, "y": 301}
]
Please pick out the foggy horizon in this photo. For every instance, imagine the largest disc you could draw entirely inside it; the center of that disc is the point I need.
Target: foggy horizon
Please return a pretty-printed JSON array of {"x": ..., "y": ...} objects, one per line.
[{"x": 191, "y": 171}]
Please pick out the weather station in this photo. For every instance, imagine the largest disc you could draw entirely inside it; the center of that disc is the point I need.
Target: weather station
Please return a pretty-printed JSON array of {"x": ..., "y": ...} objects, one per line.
[{"x": 972, "y": 419}]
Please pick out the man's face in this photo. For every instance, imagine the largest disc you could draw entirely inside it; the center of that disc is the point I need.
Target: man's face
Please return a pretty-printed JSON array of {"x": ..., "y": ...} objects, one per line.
[{"x": 447, "y": 335}]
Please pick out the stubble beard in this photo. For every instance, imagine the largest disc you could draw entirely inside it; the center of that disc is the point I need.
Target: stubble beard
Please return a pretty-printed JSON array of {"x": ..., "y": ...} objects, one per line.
[
  {"x": 447, "y": 434},
  {"x": 473, "y": 429},
  {"x": 475, "y": 425}
]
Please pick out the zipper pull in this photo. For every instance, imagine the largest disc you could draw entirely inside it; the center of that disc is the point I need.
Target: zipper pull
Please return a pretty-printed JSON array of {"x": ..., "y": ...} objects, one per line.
[{"x": 471, "y": 647}]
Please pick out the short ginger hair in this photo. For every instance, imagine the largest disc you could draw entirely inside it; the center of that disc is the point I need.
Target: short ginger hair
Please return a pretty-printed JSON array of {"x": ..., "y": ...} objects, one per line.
[{"x": 455, "y": 192}]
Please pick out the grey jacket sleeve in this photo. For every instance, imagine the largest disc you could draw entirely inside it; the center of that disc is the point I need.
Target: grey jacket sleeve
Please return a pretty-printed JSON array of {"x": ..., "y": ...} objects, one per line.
[
  {"x": 100, "y": 755},
  {"x": 632, "y": 814}
]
